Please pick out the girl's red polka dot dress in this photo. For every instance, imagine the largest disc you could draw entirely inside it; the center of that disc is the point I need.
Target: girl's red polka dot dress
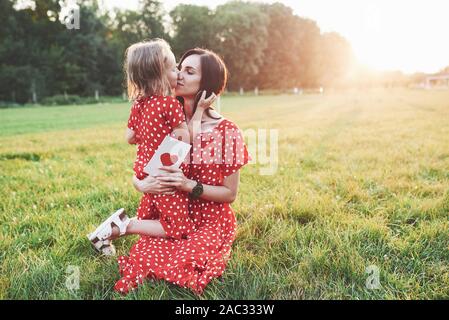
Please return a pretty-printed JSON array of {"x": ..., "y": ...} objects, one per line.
[
  {"x": 193, "y": 262},
  {"x": 152, "y": 119}
]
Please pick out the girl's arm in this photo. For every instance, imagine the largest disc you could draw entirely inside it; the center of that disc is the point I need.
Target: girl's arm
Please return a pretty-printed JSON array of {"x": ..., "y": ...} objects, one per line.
[
  {"x": 130, "y": 136},
  {"x": 225, "y": 194},
  {"x": 195, "y": 122},
  {"x": 182, "y": 132},
  {"x": 187, "y": 131}
]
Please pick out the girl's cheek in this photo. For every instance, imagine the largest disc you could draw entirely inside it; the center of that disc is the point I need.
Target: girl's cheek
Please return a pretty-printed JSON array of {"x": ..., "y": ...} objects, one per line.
[{"x": 175, "y": 76}]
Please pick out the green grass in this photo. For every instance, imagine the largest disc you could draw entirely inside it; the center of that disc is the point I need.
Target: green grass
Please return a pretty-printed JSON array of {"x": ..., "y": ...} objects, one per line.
[{"x": 363, "y": 179}]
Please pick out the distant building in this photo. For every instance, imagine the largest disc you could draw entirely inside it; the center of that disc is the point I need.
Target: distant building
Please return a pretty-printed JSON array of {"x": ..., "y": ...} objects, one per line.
[{"x": 437, "y": 81}]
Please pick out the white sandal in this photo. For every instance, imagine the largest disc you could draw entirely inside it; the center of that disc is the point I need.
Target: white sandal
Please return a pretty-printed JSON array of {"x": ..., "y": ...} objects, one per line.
[
  {"x": 105, "y": 247},
  {"x": 100, "y": 237}
]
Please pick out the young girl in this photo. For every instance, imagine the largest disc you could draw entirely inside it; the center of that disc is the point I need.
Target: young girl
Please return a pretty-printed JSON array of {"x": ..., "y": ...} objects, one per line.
[{"x": 151, "y": 75}]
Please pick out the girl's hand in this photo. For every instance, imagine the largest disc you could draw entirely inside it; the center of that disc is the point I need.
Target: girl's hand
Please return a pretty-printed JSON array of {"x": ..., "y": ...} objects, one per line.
[
  {"x": 194, "y": 124},
  {"x": 204, "y": 103},
  {"x": 174, "y": 177},
  {"x": 131, "y": 136},
  {"x": 152, "y": 185}
]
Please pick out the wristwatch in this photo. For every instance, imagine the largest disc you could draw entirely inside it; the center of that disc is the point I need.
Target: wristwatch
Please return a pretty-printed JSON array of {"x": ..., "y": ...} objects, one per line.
[{"x": 196, "y": 191}]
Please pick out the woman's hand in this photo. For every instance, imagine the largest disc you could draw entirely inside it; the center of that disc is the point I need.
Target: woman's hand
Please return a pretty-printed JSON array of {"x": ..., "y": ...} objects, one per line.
[
  {"x": 152, "y": 185},
  {"x": 174, "y": 177}
]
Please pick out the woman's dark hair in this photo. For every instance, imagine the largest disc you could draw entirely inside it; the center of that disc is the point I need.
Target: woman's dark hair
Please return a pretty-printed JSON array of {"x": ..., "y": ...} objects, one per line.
[{"x": 214, "y": 75}]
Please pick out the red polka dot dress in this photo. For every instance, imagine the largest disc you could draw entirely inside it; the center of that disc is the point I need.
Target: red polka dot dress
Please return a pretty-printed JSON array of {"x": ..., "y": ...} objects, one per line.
[
  {"x": 193, "y": 262},
  {"x": 152, "y": 119}
]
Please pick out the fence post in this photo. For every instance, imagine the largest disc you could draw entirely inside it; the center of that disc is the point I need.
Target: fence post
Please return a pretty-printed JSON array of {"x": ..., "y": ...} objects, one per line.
[{"x": 33, "y": 89}]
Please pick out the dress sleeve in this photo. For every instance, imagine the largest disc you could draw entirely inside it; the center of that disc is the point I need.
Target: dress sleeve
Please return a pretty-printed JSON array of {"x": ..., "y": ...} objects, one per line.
[
  {"x": 235, "y": 151},
  {"x": 173, "y": 111},
  {"x": 140, "y": 163},
  {"x": 134, "y": 115}
]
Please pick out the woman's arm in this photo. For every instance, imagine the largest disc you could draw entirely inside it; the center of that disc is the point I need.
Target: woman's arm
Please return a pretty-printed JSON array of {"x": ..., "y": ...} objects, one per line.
[{"x": 226, "y": 193}]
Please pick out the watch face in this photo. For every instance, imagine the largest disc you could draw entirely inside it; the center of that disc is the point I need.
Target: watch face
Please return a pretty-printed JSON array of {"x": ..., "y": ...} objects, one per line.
[{"x": 197, "y": 190}]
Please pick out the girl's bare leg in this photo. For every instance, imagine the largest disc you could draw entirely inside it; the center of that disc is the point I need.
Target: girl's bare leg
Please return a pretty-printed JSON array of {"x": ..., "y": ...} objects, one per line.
[{"x": 152, "y": 228}]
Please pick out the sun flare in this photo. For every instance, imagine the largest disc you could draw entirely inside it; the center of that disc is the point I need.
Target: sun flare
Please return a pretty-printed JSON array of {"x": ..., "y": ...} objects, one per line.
[{"x": 406, "y": 35}]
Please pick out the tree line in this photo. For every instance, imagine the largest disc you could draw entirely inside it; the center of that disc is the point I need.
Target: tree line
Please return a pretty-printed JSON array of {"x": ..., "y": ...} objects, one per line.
[{"x": 264, "y": 45}]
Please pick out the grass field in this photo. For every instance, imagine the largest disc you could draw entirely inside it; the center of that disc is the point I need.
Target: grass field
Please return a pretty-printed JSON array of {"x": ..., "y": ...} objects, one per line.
[{"x": 363, "y": 179}]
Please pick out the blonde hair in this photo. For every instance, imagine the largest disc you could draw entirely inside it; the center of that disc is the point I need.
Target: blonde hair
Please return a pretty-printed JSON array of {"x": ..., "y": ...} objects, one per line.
[{"x": 145, "y": 68}]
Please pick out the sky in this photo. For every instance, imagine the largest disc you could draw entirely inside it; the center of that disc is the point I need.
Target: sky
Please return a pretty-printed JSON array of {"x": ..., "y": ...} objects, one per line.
[{"x": 405, "y": 35}]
